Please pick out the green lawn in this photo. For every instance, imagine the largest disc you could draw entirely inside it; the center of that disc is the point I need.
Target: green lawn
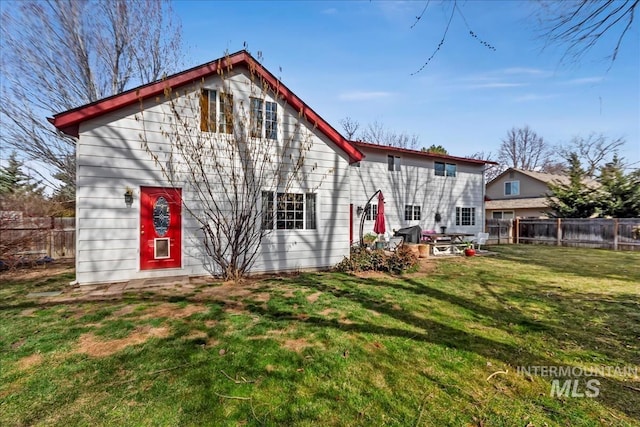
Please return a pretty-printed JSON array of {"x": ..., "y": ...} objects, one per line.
[{"x": 333, "y": 349}]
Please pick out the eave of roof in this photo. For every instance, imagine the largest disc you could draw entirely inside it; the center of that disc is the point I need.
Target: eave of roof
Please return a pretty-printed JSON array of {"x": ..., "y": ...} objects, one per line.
[
  {"x": 524, "y": 203},
  {"x": 391, "y": 149},
  {"x": 69, "y": 121}
]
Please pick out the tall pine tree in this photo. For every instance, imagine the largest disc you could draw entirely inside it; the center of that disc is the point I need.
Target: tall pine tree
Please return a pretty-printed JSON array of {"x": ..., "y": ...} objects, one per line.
[{"x": 574, "y": 199}]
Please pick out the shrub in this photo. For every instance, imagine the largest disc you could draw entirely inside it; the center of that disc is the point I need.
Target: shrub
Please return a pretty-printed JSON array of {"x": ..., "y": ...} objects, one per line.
[
  {"x": 401, "y": 260},
  {"x": 363, "y": 259}
]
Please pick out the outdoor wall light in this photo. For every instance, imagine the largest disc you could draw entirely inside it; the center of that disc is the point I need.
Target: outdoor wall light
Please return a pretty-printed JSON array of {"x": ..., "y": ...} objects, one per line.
[
  {"x": 128, "y": 197},
  {"x": 438, "y": 217},
  {"x": 360, "y": 210}
]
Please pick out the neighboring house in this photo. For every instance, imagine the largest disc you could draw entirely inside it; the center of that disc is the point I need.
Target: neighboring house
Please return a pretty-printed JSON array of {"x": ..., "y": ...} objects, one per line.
[
  {"x": 517, "y": 193},
  {"x": 111, "y": 241},
  {"x": 419, "y": 188}
]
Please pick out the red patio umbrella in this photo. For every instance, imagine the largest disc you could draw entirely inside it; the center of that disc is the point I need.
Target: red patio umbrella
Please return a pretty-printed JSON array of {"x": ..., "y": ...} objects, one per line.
[{"x": 379, "y": 227}]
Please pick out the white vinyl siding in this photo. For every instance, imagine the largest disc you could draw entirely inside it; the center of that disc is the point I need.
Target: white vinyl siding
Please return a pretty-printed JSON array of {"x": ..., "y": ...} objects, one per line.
[
  {"x": 110, "y": 159},
  {"x": 416, "y": 185}
]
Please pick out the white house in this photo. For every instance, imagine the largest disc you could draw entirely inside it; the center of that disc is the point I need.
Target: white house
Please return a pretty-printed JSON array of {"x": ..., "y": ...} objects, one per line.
[
  {"x": 426, "y": 189},
  {"x": 153, "y": 234}
]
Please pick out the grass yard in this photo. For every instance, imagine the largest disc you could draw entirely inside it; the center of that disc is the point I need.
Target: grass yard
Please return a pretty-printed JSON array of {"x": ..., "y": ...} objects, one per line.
[{"x": 439, "y": 347}]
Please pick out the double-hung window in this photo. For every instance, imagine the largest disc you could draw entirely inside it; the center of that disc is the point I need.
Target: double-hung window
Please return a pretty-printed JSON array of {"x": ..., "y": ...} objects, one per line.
[
  {"x": 289, "y": 211},
  {"x": 256, "y": 117},
  {"x": 271, "y": 120},
  {"x": 445, "y": 169},
  {"x": 216, "y": 111},
  {"x": 411, "y": 213},
  {"x": 512, "y": 188},
  {"x": 465, "y": 216},
  {"x": 393, "y": 163},
  {"x": 371, "y": 212},
  {"x": 264, "y": 119}
]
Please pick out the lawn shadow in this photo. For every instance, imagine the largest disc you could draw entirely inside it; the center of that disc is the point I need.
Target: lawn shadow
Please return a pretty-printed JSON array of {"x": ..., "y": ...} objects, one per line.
[{"x": 438, "y": 333}]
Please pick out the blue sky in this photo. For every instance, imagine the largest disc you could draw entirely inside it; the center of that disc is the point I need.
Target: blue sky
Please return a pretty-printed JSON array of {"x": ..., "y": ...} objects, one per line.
[{"x": 356, "y": 59}]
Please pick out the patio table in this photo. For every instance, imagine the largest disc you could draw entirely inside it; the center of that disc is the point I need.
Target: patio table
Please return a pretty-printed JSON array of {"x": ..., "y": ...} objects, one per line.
[{"x": 447, "y": 243}]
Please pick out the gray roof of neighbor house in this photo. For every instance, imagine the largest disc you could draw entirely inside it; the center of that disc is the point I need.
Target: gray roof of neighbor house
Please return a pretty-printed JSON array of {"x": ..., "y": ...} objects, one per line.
[
  {"x": 525, "y": 203},
  {"x": 547, "y": 178}
]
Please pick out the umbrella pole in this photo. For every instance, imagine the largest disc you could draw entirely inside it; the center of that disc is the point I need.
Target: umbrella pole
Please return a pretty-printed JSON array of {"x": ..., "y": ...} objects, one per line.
[{"x": 364, "y": 212}]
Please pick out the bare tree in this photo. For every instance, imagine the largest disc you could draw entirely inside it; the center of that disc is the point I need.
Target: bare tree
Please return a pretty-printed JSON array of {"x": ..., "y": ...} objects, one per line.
[
  {"x": 350, "y": 128},
  {"x": 594, "y": 151},
  {"x": 236, "y": 170},
  {"x": 524, "y": 149},
  {"x": 377, "y": 133},
  {"x": 576, "y": 25},
  {"x": 491, "y": 171},
  {"x": 580, "y": 25},
  {"x": 60, "y": 54}
]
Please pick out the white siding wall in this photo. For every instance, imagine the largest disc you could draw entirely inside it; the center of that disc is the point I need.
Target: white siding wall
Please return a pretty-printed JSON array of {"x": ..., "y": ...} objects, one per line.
[
  {"x": 416, "y": 184},
  {"x": 110, "y": 158}
]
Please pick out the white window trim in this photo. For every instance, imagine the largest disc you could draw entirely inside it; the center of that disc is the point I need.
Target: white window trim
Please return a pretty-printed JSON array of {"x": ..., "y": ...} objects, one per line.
[
  {"x": 513, "y": 214},
  {"x": 472, "y": 216},
  {"x": 413, "y": 212},
  {"x": 263, "y": 127},
  {"x": 504, "y": 188},
  {"x": 274, "y": 227},
  {"x": 396, "y": 163},
  {"x": 218, "y": 91},
  {"x": 444, "y": 172}
]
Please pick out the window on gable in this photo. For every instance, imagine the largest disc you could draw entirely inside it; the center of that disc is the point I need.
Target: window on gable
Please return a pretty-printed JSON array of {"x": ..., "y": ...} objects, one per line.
[
  {"x": 263, "y": 115},
  {"x": 271, "y": 120},
  {"x": 216, "y": 111},
  {"x": 445, "y": 169},
  {"x": 393, "y": 162},
  {"x": 371, "y": 213},
  {"x": 226, "y": 113},
  {"x": 465, "y": 216},
  {"x": 289, "y": 211},
  {"x": 512, "y": 188},
  {"x": 256, "y": 117},
  {"x": 208, "y": 110},
  {"x": 412, "y": 213}
]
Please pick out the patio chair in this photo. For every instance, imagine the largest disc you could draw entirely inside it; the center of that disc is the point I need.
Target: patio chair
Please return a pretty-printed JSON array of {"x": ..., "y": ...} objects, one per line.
[
  {"x": 480, "y": 239},
  {"x": 395, "y": 243}
]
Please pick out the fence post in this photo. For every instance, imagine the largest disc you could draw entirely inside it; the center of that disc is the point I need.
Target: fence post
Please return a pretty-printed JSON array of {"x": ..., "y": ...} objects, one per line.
[
  {"x": 559, "y": 232},
  {"x": 616, "y": 226},
  {"x": 51, "y": 242},
  {"x": 517, "y": 231}
]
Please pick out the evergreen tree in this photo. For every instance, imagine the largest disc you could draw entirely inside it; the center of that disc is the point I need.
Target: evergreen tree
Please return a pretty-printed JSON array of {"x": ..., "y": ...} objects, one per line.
[
  {"x": 436, "y": 149},
  {"x": 619, "y": 195},
  {"x": 12, "y": 178},
  {"x": 575, "y": 199}
]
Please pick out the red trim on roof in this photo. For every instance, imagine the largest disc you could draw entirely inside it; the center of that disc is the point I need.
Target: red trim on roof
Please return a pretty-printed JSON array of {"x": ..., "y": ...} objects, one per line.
[
  {"x": 69, "y": 121},
  {"x": 420, "y": 153}
]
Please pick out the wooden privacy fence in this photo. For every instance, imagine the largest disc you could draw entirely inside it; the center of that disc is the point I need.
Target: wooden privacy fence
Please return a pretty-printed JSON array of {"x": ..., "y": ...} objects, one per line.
[
  {"x": 500, "y": 231},
  {"x": 606, "y": 233},
  {"x": 37, "y": 237}
]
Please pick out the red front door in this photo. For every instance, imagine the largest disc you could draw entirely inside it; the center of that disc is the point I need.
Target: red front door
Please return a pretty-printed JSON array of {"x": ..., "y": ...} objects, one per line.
[{"x": 160, "y": 228}]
